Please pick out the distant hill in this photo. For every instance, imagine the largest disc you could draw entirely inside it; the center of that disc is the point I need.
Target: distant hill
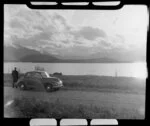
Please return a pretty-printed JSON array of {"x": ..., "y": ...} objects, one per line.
[
  {"x": 99, "y": 60},
  {"x": 39, "y": 58},
  {"x": 22, "y": 54}
]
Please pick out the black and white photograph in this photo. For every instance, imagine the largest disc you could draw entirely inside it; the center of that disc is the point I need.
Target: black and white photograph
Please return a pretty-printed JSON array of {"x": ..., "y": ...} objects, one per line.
[{"x": 75, "y": 63}]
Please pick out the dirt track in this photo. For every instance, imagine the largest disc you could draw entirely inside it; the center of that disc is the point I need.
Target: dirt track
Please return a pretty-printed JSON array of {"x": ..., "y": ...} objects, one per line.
[{"x": 117, "y": 100}]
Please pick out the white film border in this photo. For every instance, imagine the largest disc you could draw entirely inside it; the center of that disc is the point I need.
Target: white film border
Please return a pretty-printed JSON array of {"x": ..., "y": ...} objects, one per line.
[
  {"x": 73, "y": 122},
  {"x": 103, "y": 122},
  {"x": 43, "y": 122}
]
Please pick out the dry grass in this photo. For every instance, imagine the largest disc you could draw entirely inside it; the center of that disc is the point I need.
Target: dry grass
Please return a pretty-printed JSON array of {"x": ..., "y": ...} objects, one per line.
[
  {"x": 34, "y": 108},
  {"x": 97, "y": 83}
]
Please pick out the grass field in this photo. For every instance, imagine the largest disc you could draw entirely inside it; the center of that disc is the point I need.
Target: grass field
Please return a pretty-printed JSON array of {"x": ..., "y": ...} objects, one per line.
[
  {"x": 97, "y": 83},
  {"x": 121, "y": 86},
  {"x": 29, "y": 108}
]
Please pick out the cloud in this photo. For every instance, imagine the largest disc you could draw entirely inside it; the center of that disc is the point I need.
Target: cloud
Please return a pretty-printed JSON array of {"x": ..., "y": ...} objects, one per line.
[
  {"x": 74, "y": 51},
  {"x": 60, "y": 19},
  {"x": 89, "y": 33},
  {"x": 118, "y": 42},
  {"x": 104, "y": 43},
  {"x": 79, "y": 42},
  {"x": 50, "y": 31},
  {"x": 27, "y": 27},
  {"x": 32, "y": 28},
  {"x": 120, "y": 38}
]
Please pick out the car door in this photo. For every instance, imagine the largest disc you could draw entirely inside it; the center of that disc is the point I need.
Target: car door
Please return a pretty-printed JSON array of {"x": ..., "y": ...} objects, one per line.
[
  {"x": 36, "y": 81},
  {"x": 29, "y": 80}
]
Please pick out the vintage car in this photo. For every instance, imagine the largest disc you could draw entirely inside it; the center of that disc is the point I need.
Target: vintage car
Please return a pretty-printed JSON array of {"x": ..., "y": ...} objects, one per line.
[{"x": 33, "y": 79}]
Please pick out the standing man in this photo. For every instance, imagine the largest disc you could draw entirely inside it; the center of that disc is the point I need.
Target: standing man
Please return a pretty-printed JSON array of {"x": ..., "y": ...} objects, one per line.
[{"x": 15, "y": 76}]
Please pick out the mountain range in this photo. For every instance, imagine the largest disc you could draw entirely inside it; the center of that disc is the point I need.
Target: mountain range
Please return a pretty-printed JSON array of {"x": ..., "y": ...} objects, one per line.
[{"x": 23, "y": 54}]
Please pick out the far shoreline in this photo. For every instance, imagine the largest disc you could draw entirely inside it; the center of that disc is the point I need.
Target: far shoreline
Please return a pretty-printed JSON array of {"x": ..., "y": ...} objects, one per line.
[
  {"x": 96, "y": 83},
  {"x": 85, "y": 75},
  {"x": 77, "y": 62}
]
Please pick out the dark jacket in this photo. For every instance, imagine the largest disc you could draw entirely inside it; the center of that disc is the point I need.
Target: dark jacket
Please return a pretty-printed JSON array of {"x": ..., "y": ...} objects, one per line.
[{"x": 15, "y": 75}]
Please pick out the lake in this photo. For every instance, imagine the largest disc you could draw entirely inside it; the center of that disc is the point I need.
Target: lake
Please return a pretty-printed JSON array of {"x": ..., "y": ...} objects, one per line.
[{"x": 138, "y": 69}]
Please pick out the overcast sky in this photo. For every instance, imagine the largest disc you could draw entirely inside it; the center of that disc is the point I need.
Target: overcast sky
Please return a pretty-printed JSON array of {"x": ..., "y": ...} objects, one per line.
[{"x": 70, "y": 33}]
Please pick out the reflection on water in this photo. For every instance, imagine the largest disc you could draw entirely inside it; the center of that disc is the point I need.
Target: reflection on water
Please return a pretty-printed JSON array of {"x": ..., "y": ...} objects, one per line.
[
  {"x": 139, "y": 70},
  {"x": 107, "y": 69}
]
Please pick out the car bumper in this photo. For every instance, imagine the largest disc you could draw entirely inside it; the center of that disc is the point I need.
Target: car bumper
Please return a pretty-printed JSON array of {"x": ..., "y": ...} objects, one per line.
[{"x": 58, "y": 86}]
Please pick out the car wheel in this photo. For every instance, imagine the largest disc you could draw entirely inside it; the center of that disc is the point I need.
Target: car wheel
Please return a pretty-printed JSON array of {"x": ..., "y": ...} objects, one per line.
[
  {"x": 49, "y": 88},
  {"x": 22, "y": 86},
  {"x": 56, "y": 89}
]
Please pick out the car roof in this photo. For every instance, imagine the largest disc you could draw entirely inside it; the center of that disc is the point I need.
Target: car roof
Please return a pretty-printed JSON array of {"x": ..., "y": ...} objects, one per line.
[{"x": 36, "y": 71}]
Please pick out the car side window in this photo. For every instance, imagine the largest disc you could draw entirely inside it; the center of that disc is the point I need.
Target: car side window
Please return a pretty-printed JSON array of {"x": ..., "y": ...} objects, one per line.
[
  {"x": 28, "y": 75},
  {"x": 36, "y": 75}
]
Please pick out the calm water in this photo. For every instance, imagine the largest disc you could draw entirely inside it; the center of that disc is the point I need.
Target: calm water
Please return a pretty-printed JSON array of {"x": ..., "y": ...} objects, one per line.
[{"x": 108, "y": 69}]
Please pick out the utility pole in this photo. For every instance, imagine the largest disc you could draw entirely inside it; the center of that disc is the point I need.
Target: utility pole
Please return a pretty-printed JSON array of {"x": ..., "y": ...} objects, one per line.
[{"x": 116, "y": 74}]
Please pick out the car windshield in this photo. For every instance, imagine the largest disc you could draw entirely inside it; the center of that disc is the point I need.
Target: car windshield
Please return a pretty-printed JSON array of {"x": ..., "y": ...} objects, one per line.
[{"x": 45, "y": 75}]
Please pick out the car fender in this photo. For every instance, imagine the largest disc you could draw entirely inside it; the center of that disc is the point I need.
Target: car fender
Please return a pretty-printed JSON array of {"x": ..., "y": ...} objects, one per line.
[
  {"x": 19, "y": 82},
  {"x": 47, "y": 83}
]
